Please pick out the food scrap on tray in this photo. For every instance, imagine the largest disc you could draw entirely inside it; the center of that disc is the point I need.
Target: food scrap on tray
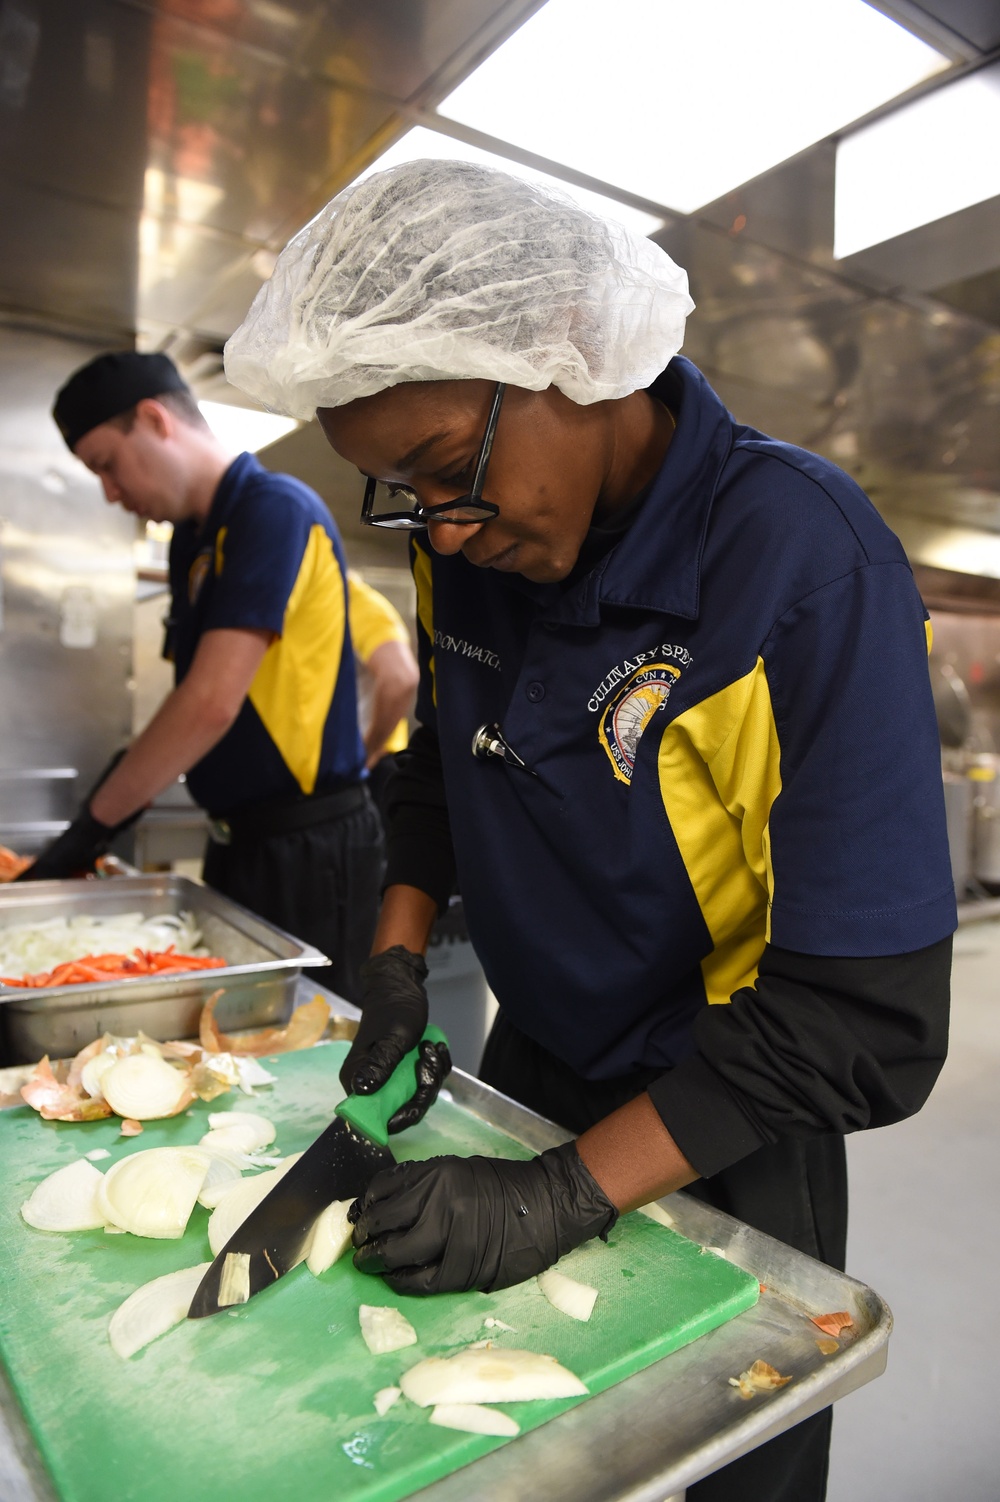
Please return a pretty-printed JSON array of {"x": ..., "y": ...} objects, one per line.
[
  {"x": 140, "y": 1080},
  {"x": 11, "y": 865}
]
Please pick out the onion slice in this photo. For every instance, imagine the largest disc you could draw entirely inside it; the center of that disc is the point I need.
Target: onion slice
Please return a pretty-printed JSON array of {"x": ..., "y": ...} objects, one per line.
[
  {"x": 384, "y": 1399},
  {"x": 153, "y": 1309},
  {"x": 385, "y": 1329},
  {"x": 221, "y": 1177},
  {"x": 144, "y": 1087},
  {"x": 152, "y": 1193},
  {"x": 475, "y": 1419},
  {"x": 488, "y": 1375},
  {"x": 234, "y": 1285},
  {"x": 567, "y": 1295},
  {"x": 243, "y": 1131},
  {"x": 233, "y": 1209},
  {"x": 330, "y": 1238},
  {"x": 68, "y": 1200}
]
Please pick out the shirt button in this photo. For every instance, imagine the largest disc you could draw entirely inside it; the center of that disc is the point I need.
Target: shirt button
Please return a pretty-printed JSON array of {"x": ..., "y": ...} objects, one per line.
[{"x": 535, "y": 692}]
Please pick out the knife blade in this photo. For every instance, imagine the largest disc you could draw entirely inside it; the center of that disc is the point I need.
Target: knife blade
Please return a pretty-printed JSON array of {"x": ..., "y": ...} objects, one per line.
[{"x": 339, "y": 1165}]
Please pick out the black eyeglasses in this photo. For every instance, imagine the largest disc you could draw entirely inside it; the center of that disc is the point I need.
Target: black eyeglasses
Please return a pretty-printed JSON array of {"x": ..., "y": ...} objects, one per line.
[{"x": 466, "y": 511}]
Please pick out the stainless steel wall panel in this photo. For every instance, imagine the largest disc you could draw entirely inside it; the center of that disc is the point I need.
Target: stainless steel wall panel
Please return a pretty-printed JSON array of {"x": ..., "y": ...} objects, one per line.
[{"x": 67, "y": 581}]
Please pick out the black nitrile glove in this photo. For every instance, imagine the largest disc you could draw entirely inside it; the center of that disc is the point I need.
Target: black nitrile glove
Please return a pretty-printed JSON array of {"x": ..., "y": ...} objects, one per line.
[
  {"x": 76, "y": 849},
  {"x": 393, "y": 1016},
  {"x": 80, "y": 846},
  {"x": 451, "y": 1224}
]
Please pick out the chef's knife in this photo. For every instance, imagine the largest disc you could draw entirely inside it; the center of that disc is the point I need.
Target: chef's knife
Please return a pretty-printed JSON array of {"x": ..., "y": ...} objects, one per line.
[{"x": 339, "y": 1166}]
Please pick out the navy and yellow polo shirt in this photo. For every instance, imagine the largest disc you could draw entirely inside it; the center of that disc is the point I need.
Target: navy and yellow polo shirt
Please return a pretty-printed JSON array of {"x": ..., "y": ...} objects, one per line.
[
  {"x": 728, "y": 739},
  {"x": 268, "y": 557}
]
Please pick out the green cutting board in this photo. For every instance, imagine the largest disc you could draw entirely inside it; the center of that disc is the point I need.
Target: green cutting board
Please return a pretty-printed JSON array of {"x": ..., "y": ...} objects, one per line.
[{"x": 274, "y": 1399}]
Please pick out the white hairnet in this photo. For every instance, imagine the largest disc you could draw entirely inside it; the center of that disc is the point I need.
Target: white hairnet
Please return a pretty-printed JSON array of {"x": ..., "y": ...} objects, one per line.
[{"x": 439, "y": 270}]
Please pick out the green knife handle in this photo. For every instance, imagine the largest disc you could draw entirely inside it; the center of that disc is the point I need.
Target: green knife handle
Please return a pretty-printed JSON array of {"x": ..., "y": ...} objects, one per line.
[{"x": 371, "y": 1114}]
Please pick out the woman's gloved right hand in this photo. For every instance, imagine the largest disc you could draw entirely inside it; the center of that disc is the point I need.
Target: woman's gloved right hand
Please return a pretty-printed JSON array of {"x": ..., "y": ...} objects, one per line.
[{"x": 393, "y": 1017}]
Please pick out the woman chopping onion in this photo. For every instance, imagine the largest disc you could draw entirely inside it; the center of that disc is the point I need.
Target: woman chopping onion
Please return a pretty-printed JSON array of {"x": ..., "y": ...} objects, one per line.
[{"x": 676, "y": 740}]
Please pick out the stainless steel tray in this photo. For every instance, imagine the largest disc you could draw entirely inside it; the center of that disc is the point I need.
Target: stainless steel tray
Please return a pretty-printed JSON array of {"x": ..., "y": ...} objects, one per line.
[
  {"x": 656, "y": 1433},
  {"x": 264, "y": 965}
]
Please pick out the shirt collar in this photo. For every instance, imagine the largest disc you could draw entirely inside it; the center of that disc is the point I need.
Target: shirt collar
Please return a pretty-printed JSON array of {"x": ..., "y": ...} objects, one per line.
[
  {"x": 677, "y": 507},
  {"x": 241, "y": 469}
]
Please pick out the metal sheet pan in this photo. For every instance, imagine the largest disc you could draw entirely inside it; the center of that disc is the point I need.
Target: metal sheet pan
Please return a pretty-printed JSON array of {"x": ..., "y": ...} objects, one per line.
[
  {"x": 259, "y": 981},
  {"x": 655, "y": 1434}
]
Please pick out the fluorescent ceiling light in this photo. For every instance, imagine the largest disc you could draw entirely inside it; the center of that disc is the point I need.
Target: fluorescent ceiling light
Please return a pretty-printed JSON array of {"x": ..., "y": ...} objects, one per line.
[
  {"x": 930, "y": 158},
  {"x": 244, "y": 428},
  {"x": 680, "y": 101},
  {"x": 421, "y": 142}
]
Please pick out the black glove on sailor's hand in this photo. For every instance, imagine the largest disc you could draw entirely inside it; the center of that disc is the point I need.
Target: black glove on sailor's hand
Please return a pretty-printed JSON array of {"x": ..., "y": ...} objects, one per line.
[
  {"x": 80, "y": 846},
  {"x": 451, "y": 1224},
  {"x": 393, "y": 1016},
  {"x": 76, "y": 849}
]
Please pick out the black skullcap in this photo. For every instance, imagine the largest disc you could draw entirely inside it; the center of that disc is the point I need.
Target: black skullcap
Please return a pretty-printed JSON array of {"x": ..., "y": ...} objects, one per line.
[{"x": 109, "y": 386}]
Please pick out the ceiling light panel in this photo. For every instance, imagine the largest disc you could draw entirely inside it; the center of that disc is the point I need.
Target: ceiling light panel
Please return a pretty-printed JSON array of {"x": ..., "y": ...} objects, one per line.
[
  {"x": 928, "y": 159},
  {"x": 421, "y": 142},
  {"x": 243, "y": 428},
  {"x": 680, "y": 102}
]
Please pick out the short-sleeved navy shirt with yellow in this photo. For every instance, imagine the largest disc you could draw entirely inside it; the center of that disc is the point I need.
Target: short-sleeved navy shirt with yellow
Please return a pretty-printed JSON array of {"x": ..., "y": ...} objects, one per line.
[
  {"x": 727, "y": 737},
  {"x": 268, "y": 557}
]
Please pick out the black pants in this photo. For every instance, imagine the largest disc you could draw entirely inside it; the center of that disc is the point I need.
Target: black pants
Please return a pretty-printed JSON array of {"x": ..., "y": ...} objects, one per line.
[
  {"x": 320, "y": 883},
  {"x": 795, "y": 1190}
]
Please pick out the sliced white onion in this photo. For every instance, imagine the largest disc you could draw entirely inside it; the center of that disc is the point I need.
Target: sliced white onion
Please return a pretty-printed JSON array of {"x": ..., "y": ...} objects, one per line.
[
  {"x": 221, "y": 1177},
  {"x": 497, "y": 1324},
  {"x": 475, "y": 1419},
  {"x": 385, "y": 1397},
  {"x": 488, "y": 1375},
  {"x": 330, "y": 1238},
  {"x": 385, "y": 1329},
  {"x": 144, "y": 1087},
  {"x": 234, "y": 1285},
  {"x": 243, "y": 1131},
  {"x": 97, "y": 1154},
  {"x": 153, "y": 1309},
  {"x": 655, "y": 1211},
  {"x": 68, "y": 1200},
  {"x": 94, "y": 1071},
  {"x": 566, "y": 1294},
  {"x": 251, "y": 1073},
  {"x": 226, "y": 1219},
  {"x": 152, "y": 1193}
]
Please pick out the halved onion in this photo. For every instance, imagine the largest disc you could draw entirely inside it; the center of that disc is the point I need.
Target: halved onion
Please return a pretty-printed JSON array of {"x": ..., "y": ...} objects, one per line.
[
  {"x": 144, "y": 1087},
  {"x": 152, "y": 1193},
  {"x": 385, "y": 1329},
  {"x": 153, "y": 1309},
  {"x": 486, "y": 1374},
  {"x": 566, "y": 1294},
  {"x": 68, "y": 1200},
  {"x": 233, "y": 1209},
  {"x": 475, "y": 1419},
  {"x": 330, "y": 1238}
]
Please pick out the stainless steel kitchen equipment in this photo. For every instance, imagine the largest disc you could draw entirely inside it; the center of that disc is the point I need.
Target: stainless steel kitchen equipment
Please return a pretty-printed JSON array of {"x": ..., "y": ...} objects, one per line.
[
  {"x": 680, "y": 1415},
  {"x": 259, "y": 980},
  {"x": 66, "y": 587}
]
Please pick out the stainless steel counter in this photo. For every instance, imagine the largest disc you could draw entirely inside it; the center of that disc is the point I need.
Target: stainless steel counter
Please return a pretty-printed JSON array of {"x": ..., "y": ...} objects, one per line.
[{"x": 650, "y": 1437}]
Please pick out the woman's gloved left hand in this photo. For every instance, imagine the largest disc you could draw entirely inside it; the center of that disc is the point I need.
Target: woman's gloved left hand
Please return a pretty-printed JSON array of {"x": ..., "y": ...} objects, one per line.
[{"x": 451, "y": 1224}]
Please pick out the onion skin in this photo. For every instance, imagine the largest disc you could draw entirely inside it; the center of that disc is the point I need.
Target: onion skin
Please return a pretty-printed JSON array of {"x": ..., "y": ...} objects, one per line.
[
  {"x": 305, "y": 1027},
  {"x": 60, "y": 1102}
]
